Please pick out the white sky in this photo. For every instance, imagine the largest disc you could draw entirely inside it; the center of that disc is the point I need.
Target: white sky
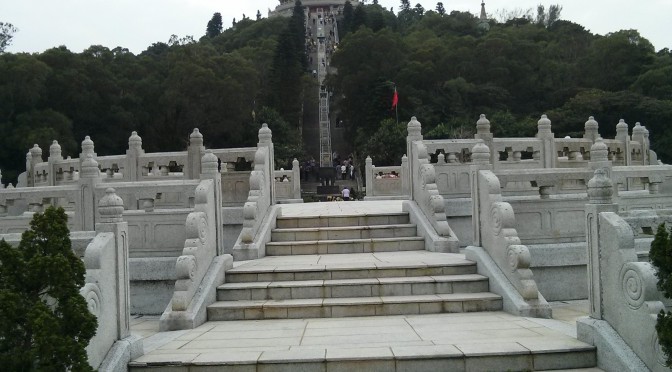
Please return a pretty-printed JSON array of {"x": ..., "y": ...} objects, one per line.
[{"x": 136, "y": 24}]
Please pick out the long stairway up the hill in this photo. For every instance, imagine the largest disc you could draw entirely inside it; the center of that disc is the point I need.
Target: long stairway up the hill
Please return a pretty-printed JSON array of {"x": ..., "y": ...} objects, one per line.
[{"x": 355, "y": 265}]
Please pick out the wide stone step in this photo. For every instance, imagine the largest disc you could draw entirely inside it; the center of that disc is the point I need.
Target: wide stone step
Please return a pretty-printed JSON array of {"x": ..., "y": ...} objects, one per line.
[
  {"x": 353, "y": 306},
  {"x": 342, "y": 220},
  {"x": 272, "y": 273},
  {"x": 395, "y": 286},
  {"x": 345, "y": 246},
  {"x": 345, "y": 232}
]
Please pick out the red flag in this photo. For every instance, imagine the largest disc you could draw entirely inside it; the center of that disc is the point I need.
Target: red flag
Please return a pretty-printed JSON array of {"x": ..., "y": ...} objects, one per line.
[{"x": 395, "y": 98}]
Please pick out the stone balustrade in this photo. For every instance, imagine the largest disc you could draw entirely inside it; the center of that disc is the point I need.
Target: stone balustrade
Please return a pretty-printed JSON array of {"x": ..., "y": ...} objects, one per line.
[
  {"x": 235, "y": 165},
  {"x": 251, "y": 242},
  {"x": 288, "y": 184},
  {"x": 495, "y": 233},
  {"x": 387, "y": 182},
  {"x": 624, "y": 300}
]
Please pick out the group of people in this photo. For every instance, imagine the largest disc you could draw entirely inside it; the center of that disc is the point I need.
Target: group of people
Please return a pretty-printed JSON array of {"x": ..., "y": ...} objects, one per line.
[
  {"x": 345, "y": 168},
  {"x": 345, "y": 196}
]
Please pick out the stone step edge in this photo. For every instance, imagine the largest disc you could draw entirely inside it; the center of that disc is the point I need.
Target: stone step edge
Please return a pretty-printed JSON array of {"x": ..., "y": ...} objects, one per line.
[
  {"x": 357, "y": 281},
  {"x": 348, "y": 241},
  {"x": 336, "y": 267},
  {"x": 324, "y": 216},
  {"x": 342, "y": 228},
  {"x": 354, "y": 301},
  {"x": 430, "y": 352}
]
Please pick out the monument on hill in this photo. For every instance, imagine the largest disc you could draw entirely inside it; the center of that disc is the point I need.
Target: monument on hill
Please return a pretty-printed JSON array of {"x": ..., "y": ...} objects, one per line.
[{"x": 327, "y": 6}]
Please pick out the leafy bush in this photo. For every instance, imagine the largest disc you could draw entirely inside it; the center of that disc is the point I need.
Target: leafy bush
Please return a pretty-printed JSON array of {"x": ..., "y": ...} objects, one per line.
[
  {"x": 661, "y": 258},
  {"x": 45, "y": 324}
]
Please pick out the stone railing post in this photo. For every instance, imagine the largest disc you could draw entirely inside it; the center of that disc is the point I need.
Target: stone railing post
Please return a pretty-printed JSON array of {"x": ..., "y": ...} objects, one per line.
[
  {"x": 111, "y": 209},
  {"x": 89, "y": 177},
  {"x": 414, "y": 129},
  {"x": 600, "y": 191},
  {"x": 133, "y": 153},
  {"x": 480, "y": 157},
  {"x": 638, "y": 135},
  {"x": 296, "y": 179},
  {"x": 544, "y": 133},
  {"x": 209, "y": 171},
  {"x": 194, "y": 154},
  {"x": 483, "y": 133},
  {"x": 265, "y": 140},
  {"x": 623, "y": 137},
  {"x": 591, "y": 129},
  {"x": 405, "y": 176},
  {"x": 55, "y": 157},
  {"x": 34, "y": 157},
  {"x": 368, "y": 170}
]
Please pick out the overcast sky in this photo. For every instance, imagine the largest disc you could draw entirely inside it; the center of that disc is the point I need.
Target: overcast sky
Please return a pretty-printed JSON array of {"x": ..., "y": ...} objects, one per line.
[{"x": 136, "y": 24}]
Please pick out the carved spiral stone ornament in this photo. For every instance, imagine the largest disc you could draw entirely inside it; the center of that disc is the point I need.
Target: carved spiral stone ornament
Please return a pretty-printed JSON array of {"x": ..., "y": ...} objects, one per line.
[
  {"x": 496, "y": 218},
  {"x": 633, "y": 288},
  {"x": 518, "y": 257},
  {"x": 197, "y": 226},
  {"x": 185, "y": 267},
  {"x": 93, "y": 298}
]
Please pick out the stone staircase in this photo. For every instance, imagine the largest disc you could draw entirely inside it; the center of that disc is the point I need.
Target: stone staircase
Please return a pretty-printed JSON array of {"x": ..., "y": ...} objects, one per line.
[
  {"x": 358, "y": 292},
  {"x": 351, "y": 265}
]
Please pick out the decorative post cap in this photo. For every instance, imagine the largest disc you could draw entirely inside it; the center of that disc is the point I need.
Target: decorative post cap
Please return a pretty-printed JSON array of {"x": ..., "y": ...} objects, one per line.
[
  {"x": 414, "y": 127},
  {"x": 209, "y": 163},
  {"x": 638, "y": 129},
  {"x": 591, "y": 124},
  {"x": 135, "y": 141},
  {"x": 89, "y": 168},
  {"x": 600, "y": 188},
  {"x": 54, "y": 150},
  {"x": 295, "y": 163},
  {"x": 599, "y": 151},
  {"x": 265, "y": 134},
  {"x": 404, "y": 158},
  {"x": 36, "y": 151},
  {"x": 196, "y": 135},
  {"x": 544, "y": 124},
  {"x": 111, "y": 207},
  {"x": 480, "y": 154},
  {"x": 87, "y": 145},
  {"x": 483, "y": 125},
  {"x": 369, "y": 160},
  {"x": 621, "y": 124}
]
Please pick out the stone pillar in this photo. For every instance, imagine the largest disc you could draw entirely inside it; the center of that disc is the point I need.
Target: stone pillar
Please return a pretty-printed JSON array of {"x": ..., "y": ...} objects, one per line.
[
  {"x": 480, "y": 158},
  {"x": 544, "y": 133},
  {"x": 89, "y": 177},
  {"x": 2, "y": 185},
  {"x": 591, "y": 129},
  {"x": 600, "y": 191},
  {"x": 195, "y": 152},
  {"x": 34, "y": 157},
  {"x": 133, "y": 172},
  {"x": 266, "y": 140},
  {"x": 210, "y": 171},
  {"x": 483, "y": 133},
  {"x": 414, "y": 129},
  {"x": 55, "y": 157},
  {"x": 368, "y": 170},
  {"x": 638, "y": 135},
  {"x": 622, "y": 136},
  {"x": 111, "y": 209},
  {"x": 405, "y": 176},
  {"x": 599, "y": 159},
  {"x": 87, "y": 148},
  {"x": 296, "y": 179}
]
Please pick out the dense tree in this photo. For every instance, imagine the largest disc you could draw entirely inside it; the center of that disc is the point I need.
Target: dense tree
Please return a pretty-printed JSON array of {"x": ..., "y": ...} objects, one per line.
[
  {"x": 214, "y": 27},
  {"x": 7, "y": 31},
  {"x": 440, "y": 9},
  {"x": 45, "y": 324}
]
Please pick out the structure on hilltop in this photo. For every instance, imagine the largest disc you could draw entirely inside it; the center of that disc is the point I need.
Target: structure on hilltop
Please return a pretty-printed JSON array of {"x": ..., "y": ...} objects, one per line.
[{"x": 327, "y": 6}]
